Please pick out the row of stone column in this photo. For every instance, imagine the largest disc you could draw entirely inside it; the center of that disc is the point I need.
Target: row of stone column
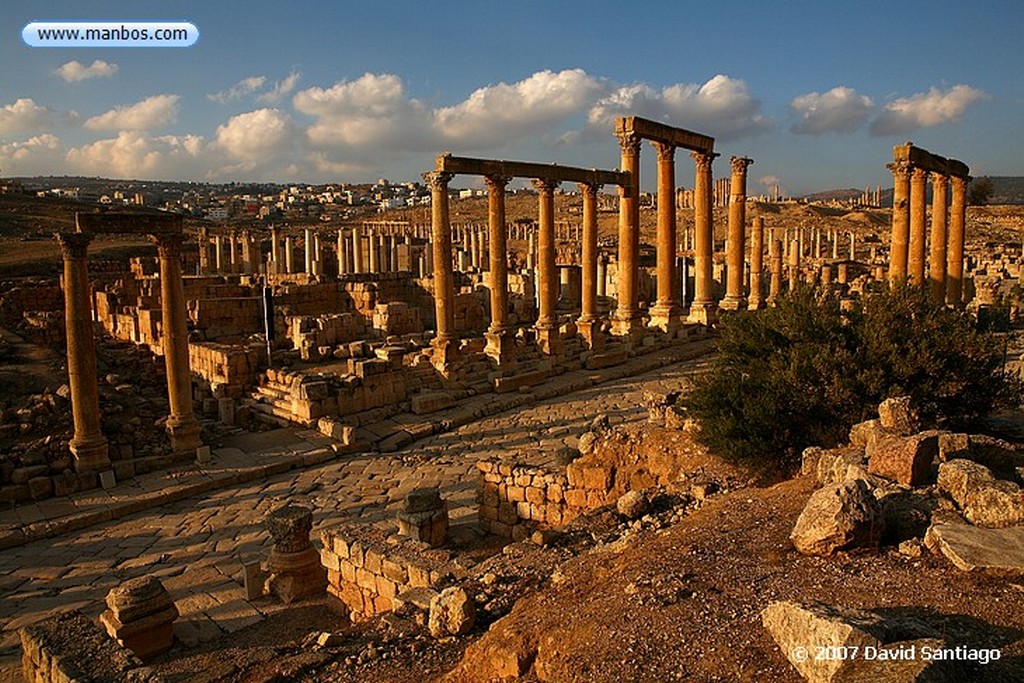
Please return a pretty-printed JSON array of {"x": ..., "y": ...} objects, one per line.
[
  {"x": 89, "y": 446},
  {"x": 907, "y": 253}
]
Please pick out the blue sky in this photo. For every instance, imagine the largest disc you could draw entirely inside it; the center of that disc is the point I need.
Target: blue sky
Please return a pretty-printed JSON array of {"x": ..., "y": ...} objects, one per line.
[{"x": 816, "y": 92}]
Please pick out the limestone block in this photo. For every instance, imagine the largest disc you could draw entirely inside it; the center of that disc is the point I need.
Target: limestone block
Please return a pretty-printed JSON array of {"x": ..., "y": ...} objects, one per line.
[
  {"x": 833, "y": 463},
  {"x": 995, "y": 505},
  {"x": 632, "y": 504},
  {"x": 839, "y": 517},
  {"x": 906, "y": 460},
  {"x": 452, "y": 612},
  {"x": 897, "y": 416},
  {"x": 997, "y": 553},
  {"x": 141, "y": 616},
  {"x": 864, "y": 434},
  {"x": 959, "y": 477}
]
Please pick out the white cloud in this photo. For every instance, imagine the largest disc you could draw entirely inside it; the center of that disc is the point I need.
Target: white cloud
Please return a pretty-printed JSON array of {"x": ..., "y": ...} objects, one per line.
[
  {"x": 280, "y": 89},
  {"x": 23, "y": 116},
  {"x": 33, "y": 156},
  {"x": 151, "y": 112},
  {"x": 840, "y": 110},
  {"x": 133, "y": 154},
  {"x": 498, "y": 114},
  {"x": 925, "y": 110},
  {"x": 256, "y": 136},
  {"x": 239, "y": 90},
  {"x": 74, "y": 71},
  {"x": 722, "y": 107}
]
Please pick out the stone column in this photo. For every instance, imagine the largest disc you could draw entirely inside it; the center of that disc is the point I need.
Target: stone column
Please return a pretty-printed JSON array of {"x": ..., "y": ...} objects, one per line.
[
  {"x": 88, "y": 446},
  {"x": 918, "y": 219},
  {"x": 500, "y": 344},
  {"x": 289, "y": 255},
  {"x": 182, "y": 426},
  {"x": 853, "y": 246},
  {"x": 588, "y": 324},
  {"x": 307, "y": 247},
  {"x": 233, "y": 253},
  {"x": 756, "y": 300},
  {"x": 374, "y": 253},
  {"x": 794, "y": 264},
  {"x": 899, "y": 244},
  {"x": 627, "y": 313},
  {"x": 340, "y": 248},
  {"x": 702, "y": 309},
  {"x": 294, "y": 564},
  {"x": 775, "y": 255},
  {"x": 737, "y": 239},
  {"x": 547, "y": 322},
  {"x": 665, "y": 312},
  {"x": 203, "y": 241},
  {"x": 602, "y": 276},
  {"x": 937, "y": 264},
  {"x": 358, "y": 257},
  {"x": 955, "y": 256},
  {"x": 275, "y": 250},
  {"x": 817, "y": 243},
  {"x": 218, "y": 256},
  {"x": 445, "y": 341}
]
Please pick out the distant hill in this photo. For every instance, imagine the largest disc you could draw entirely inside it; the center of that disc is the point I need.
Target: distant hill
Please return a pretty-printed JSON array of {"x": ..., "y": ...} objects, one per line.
[{"x": 1007, "y": 190}]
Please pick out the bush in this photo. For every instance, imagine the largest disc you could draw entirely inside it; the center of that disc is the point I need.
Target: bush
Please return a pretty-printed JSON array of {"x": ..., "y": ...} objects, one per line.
[{"x": 802, "y": 373}]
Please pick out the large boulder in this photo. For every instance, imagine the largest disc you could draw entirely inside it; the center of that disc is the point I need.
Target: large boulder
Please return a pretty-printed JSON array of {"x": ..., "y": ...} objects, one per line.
[
  {"x": 986, "y": 552},
  {"x": 995, "y": 505},
  {"x": 907, "y": 460},
  {"x": 839, "y": 517},
  {"x": 897, "y": 416},
  {"x": 829, "y": 644},
  {"x": 833, "y": 463},
  {"x": 452, "y": 613},
  {"x": 959, "y": 477}
]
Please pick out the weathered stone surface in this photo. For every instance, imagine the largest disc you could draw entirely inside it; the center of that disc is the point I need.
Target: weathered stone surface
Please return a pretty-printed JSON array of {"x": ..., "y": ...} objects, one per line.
[
  {"x": 632, "y": 504},
  {"x": 833, "y": 463},
  {"x": 452, "y": 613},
  {"x": 988, "y": 552},
  {"x": 864, "y": 434},
  {"x": 71, "y": 647},
  {"x": 289, "y": 526},
  {"x": 423, "y": 500},
  {"x": 959, "y": 477},
  {"x": 897, "y": 415},
  {"x": 906, "y": 460},
  {"x": 809, "y": 460},
  {"x": 802, "y": 630},
  {"x": 995, "y": 505},
  {"x": 839, "y": 517}
]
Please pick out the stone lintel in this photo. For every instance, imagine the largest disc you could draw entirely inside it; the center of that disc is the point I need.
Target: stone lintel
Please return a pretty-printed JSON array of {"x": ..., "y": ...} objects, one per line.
[
  {"x": 934, "y": 163},
  {"x": 660, "y": 132},
  {"x": 120, "y": 223},
  {"x": 524, "y": 169}
]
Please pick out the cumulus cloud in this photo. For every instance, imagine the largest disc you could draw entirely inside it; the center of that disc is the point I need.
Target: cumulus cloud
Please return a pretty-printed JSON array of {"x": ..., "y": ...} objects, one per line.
[
  {"x": 722, "y": 107},
  {"x": 75, "y": 71},
  {"x": 35, "y": 155},
  {"x": 239, "y": 90},
  {"x": 840, "y": 110},
  {"x": 501, "y": 113},
  {"x": 133, "y": 154},
  {"x": 151, "y": 112},
  {"x": 925, "y": 110},
  {"x": 280, "y": 89},
  {"x": 256, "y": 135},
  {"x": 22, "y": 116}
]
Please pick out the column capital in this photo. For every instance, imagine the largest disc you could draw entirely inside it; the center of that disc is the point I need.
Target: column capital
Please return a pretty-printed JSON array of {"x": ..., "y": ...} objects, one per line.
[
  {"x": 73, "y": 245},
  {"x": 702, "y": 160},
  {"x": 739, "y": 164},
  {"x": 438, "y": 180},
  {"x": 496, "y": 183},
  {"x": 938, "y": 178},
  {"x": 168, "y": 246},
  {"x": 919, "y": 174},
  {"x": 666, "y": 152},
  {"x": 959, "y": 182},
  {"x": 900, "y": 169},
  {"x": 545, "y": 185},
  {"x": 589, "y": 189},
  {"x": 630, "y": 142}
]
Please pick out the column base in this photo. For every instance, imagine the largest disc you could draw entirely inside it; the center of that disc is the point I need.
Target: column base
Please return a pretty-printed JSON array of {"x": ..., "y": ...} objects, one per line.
[
  {"x": 733, "y": 303},
  {"x": 665, "y": 317},
  {"x": 548, "y": 340},
  {"x": 757, "y": 304},
  {"x": 626, "y": 323},
  {"x": 90, "y": 453},
  {"x": 443, "y": 353},
  {"x": 501, "y": 346},
  {"x": 703, "y": 312},
  {"x": 591, "y": 333},
  {"x": 184, "y": 435}
]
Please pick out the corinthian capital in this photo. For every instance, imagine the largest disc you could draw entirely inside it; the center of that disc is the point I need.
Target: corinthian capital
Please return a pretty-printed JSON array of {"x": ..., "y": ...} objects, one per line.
[
  {"x": 545, "y": 185},
  {"x": 73, "y": 245},
  {"x": 437, "y": 180},
  {"x": 739, "y": 164},
  {"x": 702, "y": 160},
  {"x": 496, "y": 183},
  {"x": 900, "y": 169},
  {"x": 666, "y": 152},
  {"x": 629, "y": 141}
]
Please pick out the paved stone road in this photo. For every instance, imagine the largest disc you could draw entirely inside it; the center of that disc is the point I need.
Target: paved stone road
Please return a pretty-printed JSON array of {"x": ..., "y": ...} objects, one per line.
[{"x": 195, "y": 546}]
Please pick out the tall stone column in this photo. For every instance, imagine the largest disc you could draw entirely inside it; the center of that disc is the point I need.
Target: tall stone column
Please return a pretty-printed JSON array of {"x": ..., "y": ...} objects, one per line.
[
  {"x": 500, "y": 344},
  {"x": 340, "y": 248},
  {"x": 702, "y": 309},
  {"x": 853, "y": 246},
  {"x": 358, "y": 256},
  {"x": 937, "y": 264},
  {"x": 665, "y": 312},
  {"x": 307, "y": 247},
  {"x": 88, "y": 445},
  {"x": 627, "y": 313},
  {"x": 547, "y": 322},
  {"x": 445, "y": 341},
  {"x": 756, "y": 300},
  {"x": 918, "y": 220},
  {"x": 957, "y": 233},
  {"x": 203, "y": 241},
  {"x": 182, "y": 426},
  {"x": 775, "y": 256},
  {"x": 275, "y": 250},
  {"x": 900, "y": 241},
  {"x": 289, "y": 255},
  {"x": 588, "y": 324},
  {"x": 794, "y": 264},
  {"x": 737, "y": 239},
  {"x": 218, "y": 257}
]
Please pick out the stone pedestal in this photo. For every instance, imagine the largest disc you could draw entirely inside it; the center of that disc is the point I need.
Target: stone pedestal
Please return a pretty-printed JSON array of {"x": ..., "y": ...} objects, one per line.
[
  {"x": 591, "y": 334},
  {"x": 501, "y": 347},
  {"x": 294, "y": 565},
  {"x": 140, "y": 615},
  {"x": 424, "y": 517}
]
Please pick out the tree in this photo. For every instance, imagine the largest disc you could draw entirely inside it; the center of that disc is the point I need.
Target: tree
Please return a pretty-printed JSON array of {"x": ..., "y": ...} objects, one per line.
[{"x": 980, "y": 191}]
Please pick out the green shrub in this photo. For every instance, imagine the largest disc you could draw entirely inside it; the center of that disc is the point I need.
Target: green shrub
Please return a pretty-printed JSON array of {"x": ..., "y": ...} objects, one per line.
[{"x": 802, "y": 373}]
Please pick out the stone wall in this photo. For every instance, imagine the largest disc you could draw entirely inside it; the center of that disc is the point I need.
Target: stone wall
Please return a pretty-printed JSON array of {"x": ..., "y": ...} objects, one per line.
[
  {"x": 228, "y": 368},
  {"x": 515, "y": 499},
  {"x": 367, "y": 570},
  {"x": 70, "y": 648}
]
